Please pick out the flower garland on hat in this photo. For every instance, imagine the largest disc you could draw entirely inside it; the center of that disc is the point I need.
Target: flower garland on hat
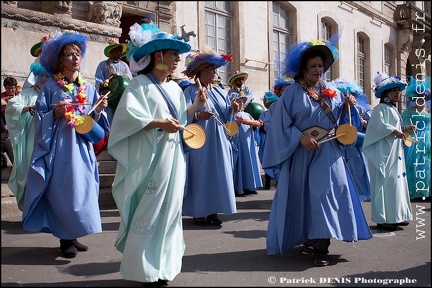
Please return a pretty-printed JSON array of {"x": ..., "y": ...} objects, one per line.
[{"x": 73, "y": 113}]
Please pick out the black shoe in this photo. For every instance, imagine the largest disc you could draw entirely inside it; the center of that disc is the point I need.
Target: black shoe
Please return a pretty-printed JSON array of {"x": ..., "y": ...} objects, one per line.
[
  {"x": 67, "y": 249},
  {"x": 200, "y": 221},
  {"x": 163, "y": 283},
  {"x": 321, "y": 259},
  {"x": 239, "y": 195},
  {"x": 404, "y": 223},
  {"x": 159, "y": 283},
  {"x": 308, "y": 249},
  {"x": 79, "y": 246},
  {"x": 213, "y": 219},
  {"x": 388, "y": 227},
  {"x": 249, "y": 192}
]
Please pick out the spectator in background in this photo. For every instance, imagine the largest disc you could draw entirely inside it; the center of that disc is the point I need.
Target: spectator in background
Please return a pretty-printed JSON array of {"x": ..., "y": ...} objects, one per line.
[
  {"x": 20, "y": 111},
  {"x": 6, "y": 145},
  {"x": 418, "y": 154},
  {"x": 383, "y": 147},
  {"x": 10, "y": 85}
]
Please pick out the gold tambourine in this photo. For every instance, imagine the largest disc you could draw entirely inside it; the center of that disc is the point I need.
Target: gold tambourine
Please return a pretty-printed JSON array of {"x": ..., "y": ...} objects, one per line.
[
  {"x": 232, "y": 128},
  {"x": 194, "y": 136},
  {"x": 408, "y": 141},
  {"x": 346, "y": 134}
]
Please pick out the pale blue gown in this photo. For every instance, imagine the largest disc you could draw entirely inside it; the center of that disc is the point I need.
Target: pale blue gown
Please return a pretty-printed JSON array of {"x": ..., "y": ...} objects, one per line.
[
  {"x": 210, "y": 183},
  {"x": 149, "y": 182},
  {"x": 63, "y": 180},
  {"x": 315, "y": 196}
]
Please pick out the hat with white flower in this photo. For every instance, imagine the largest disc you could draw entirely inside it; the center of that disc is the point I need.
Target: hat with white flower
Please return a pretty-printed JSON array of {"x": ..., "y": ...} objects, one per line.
[
  {"x": 146, "y": 39},
  {"x": 384, "y": 82},
  {"x": 52, "y": 47}
]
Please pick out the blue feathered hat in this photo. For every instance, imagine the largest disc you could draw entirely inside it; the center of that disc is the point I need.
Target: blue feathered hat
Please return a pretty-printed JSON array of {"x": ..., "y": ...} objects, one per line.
[
  {"x": 296, "y": 54},
  {"x": 384, "y": 82},
  {"x": 146, "y": 39},
  {"x": 52, "y": 47},
  {"x": 418, "y": 87},
  {"x": 37, "y": 69},
  {"x": 194, "y": 62},
  {"x": 270, "y": 97},
  {"x": 347, "y": 85},
  {"x": 281, "y": 81}
]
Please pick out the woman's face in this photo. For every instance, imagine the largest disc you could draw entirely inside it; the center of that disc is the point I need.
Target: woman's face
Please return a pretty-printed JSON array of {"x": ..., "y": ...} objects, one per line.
[
  {"x": 71, "y": 59},
  {"x": 208, "y": 74},
  {"x": 394, "y": 94},
  {"x": 314, "y": 69}
]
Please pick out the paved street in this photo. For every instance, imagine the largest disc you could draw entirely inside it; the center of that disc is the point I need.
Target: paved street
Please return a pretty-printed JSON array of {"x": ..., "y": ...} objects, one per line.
[{"x": 234, "y": 255}]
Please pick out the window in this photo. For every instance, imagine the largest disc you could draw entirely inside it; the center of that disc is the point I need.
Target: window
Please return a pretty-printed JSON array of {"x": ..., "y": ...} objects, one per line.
[
  {"x": 281, "y": 36},
  {"x": 361, "y": 62},
  {"x": 388, "y": 56},
  {"x": 218, "y": 25},
  {"x": 326, "y": 33}
]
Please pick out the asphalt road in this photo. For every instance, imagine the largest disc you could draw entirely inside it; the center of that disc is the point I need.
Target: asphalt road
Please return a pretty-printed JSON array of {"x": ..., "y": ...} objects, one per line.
[{"x": 233, "y": 255}]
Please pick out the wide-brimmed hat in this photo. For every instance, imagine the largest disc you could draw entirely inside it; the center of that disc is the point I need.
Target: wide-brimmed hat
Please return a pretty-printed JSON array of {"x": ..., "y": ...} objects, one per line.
[
  {"x": 146, "y": 39},
  {"x": 282, "y": 81},
  {"x": 197, "y": 61},
  {"x": 384, "y": 82},
  {"x": 237, "y": 75},
  {"x": 37, "y": 48},
  {"x": 52, "y": 47},
  {"x": 114, "y": 43},
  {"x": 37, "y": 69},
  {"x": 418, "y": 88}
]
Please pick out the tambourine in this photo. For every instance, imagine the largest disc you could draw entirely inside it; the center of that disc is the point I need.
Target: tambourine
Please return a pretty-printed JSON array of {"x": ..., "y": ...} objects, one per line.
[
  {"x": 194, "y": 136},
  {"x": 232, "y": 128},
  {"x": 90, "y": 129},
  {"x": 408, "y": 141}
]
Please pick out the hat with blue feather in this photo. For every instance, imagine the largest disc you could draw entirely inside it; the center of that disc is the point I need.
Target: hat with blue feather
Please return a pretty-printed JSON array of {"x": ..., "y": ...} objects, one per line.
[
  {"x": 346, "y": 86},
  {"x": 199, "y": 60},
  {"x": 299, "y": 52},
  {"x": 52, "y": 47}
]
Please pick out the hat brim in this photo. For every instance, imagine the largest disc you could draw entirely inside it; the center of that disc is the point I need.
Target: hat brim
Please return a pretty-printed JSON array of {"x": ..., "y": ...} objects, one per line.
[
  {"x": 51, "y": 49},
  {"x": 36, "y": 49},
  {"x": 209, "y": 59},
  {"x": 161, "y": 44},
  {"x": 233, "y": 78},
  {"x": 113, "y": 46},
  {"x": 328, "y": 58},
  {"x": 380, "y": 91}
]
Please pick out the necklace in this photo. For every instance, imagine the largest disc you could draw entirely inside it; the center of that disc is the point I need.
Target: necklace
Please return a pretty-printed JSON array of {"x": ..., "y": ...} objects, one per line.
[
  {"x": 310, "y": 90},
  {"x": 73, "y": 112}
]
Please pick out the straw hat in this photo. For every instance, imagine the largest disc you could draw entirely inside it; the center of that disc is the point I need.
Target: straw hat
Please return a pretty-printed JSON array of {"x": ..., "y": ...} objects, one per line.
[
  {"x": 114, "y": 43},
  {"x": 237, "y": 75}
]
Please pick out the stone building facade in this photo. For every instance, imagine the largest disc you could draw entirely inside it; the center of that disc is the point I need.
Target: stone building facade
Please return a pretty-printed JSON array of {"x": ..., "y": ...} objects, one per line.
[{"x": 401, "y": 26}]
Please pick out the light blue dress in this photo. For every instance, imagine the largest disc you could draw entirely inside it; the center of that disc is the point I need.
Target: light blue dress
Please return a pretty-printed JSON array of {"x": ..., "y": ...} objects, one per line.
[
  {"x": 149, "y": 182},
  {"x": 21, "y": 133},
  {"x": 63, "y": 191},
  {"x": 247, "y": 166},
  {"x": 315, "y": 196},
  {"x": 390, "y": 199},
  {"x": 210, "y": 183}
]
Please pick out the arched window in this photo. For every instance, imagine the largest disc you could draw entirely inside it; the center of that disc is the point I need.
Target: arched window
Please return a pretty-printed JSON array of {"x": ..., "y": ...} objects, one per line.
[
  {"x": 218, "y": 35},
  {"x": 326, "y": 32},
  {"x": 361, "y": 59},
  {"x": 281, "y": 36}
]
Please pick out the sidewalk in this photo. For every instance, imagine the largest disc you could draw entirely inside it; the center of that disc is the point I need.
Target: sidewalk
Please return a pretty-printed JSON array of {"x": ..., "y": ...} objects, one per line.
[{"x": 232, "y": 256}]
